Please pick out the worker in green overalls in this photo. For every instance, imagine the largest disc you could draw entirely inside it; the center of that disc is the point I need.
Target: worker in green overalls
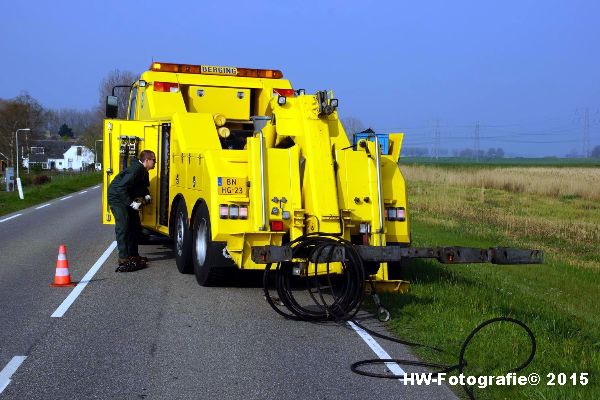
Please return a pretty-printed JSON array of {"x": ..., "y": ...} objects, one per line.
[{"x": 126, "y": 194}]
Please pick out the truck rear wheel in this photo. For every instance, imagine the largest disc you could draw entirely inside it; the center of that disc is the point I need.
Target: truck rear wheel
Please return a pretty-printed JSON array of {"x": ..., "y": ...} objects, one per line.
[
  {"x": 205, "y": 253},
  {"x": 183, "y": 240}
]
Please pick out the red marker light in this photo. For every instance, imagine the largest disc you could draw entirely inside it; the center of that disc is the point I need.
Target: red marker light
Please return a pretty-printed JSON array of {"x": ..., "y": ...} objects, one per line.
[
  {"x": 277, "y": 226},
  {"x": 284, "y": 92},
  {"x": 223, "y": 211},
  {"x": 169, "y": 87}
]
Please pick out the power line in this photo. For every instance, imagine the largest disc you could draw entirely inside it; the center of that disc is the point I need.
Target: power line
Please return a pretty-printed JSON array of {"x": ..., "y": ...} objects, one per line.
[
  {"x": 586, "y": 133},
  {"x": 477, "y": 141},
  {"x": 437, "y": 138}
]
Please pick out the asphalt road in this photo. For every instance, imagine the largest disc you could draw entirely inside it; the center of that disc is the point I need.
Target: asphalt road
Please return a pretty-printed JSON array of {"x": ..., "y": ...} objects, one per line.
[{"x": 155, "y": 333}]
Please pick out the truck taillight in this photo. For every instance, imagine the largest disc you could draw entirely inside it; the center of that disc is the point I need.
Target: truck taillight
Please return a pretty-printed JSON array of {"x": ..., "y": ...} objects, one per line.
[
  {"x": 400, "y": 214},
  {"x": 391, "y": 214},
  {"x": 233, "y": 211},
  {"x": 166, "y": 87},
  {"x": 284, "y": 92},
  {"x": 224, "y": 211},
  {"x": 395, "y": 214},
  {"x": 277, "y": 226}
]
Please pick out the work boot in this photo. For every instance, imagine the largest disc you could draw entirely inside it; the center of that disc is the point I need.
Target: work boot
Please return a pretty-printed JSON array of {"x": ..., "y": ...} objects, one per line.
[
  {"x": 123, "y": 261},
  {"x": 139, "y": 259},
  {"x": 130, "y": 266}
]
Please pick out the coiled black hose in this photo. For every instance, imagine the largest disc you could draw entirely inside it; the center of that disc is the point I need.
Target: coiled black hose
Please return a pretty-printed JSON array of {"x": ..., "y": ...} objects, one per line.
[{"x": 345, "y": 291}]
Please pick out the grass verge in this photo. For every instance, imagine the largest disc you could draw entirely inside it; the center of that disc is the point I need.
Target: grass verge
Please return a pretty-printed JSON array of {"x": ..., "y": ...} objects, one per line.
[
  {"x": 60, "y": 185},
  {"x": 558, "y": 300}
]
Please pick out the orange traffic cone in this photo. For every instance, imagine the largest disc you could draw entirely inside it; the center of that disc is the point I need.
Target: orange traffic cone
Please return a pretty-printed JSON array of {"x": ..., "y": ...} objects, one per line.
[{"x": 62, "y": 277}]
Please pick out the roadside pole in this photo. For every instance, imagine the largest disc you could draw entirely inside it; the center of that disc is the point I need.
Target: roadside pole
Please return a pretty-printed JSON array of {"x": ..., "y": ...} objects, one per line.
[{"x": 17, "y": 163}]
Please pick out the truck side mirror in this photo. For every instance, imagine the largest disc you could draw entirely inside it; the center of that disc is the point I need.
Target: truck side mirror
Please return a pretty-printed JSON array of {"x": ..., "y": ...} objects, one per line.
[{"x": 112, "y": 106}]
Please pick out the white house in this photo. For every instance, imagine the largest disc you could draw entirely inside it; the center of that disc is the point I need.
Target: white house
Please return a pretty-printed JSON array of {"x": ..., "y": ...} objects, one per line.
[{"x": 58, "y": 154}]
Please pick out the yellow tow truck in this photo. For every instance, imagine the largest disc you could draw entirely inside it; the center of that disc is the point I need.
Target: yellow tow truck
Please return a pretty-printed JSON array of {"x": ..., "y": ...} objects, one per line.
[{"x": 246, "y": 165}]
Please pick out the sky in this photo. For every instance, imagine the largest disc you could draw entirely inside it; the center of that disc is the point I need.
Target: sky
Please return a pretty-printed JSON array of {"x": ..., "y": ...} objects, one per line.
[{"x": 526, "y": 72}]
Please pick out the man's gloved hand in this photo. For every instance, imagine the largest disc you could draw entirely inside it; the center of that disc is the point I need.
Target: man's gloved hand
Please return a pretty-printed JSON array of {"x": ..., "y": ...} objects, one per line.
[
  {"x": 147, "y": 199},
  {"x": 136, "y": 205}
]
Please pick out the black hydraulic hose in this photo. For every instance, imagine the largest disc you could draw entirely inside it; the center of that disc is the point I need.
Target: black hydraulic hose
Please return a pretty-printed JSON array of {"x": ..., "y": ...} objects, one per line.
[
  {"x": 346, "y": 298},
  {"x": 347, "y": 301},
  {"x": 462, "y": 363}
]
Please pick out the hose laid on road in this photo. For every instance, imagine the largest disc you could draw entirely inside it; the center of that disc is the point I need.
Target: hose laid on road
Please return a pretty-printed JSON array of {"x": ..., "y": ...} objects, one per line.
[
  {"x": 462, "y": 363},
  {"x": 338, "y": 298}
]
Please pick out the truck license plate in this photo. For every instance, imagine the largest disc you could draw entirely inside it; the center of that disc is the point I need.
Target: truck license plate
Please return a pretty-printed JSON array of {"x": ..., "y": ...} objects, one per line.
[{"x": 232, "y": 186}]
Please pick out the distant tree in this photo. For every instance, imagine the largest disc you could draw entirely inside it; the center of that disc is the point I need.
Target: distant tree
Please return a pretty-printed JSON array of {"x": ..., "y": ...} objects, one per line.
[
  {"x": 470, "y": 153},
  {"x": 21, "y": 112},
  {"x": 65, "y": 132},
  {"x": 495, "y": 152},
  {"x": 466, "y": 153},
  {"x": 572, "y": 154},
  {"x": 77, "y": 120},
  {"x": 415, "y": 151},
  {"x": 596, "y": 152},
  {"x": 87, "y": 125},
  {"x": 114, "y": 78},
  {"x": 89, "y": 136},
  {"x": 352, "y": 125}
]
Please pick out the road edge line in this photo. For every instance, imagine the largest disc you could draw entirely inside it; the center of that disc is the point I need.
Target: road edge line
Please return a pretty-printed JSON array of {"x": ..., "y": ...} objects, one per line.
[
  {"x": 9, "y": 370},
  {"x": 377, "y": 349},
  {"x": 9, "y": 218},
  {"x": 62, "y": 309}
]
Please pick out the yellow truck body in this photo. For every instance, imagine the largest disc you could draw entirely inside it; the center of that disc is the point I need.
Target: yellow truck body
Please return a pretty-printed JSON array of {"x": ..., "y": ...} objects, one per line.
[{"x": 224, "y": 184}]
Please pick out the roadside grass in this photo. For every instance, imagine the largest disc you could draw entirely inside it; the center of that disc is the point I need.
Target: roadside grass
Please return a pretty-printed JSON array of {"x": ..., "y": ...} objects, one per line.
[
  {"x": 60, "y": 185},
  {"x": 573, "y": 183},
  {"x": 449, "y": 162},
  {"x": 558, "y": 300}
]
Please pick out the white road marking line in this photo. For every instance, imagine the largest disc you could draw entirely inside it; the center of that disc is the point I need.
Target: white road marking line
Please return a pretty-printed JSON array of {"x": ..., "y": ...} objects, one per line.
[
  {"x": 9, "y": 370},
  {"x": 62, "y": 309},
  {"x": 96, "y": 187},
  {"x": 377, "y": 349},
  {"x": 45, "y": 205},
  {"x": 64, "y": 198},
  {"x": 85, "y": 191},
  {"x": 14, "y": 216}
]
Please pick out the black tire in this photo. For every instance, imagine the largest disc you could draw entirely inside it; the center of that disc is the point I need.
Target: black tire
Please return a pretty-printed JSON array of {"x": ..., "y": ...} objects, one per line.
[
  {"x": 182, "y": 240},
  {"x": 207, "y": 259}
]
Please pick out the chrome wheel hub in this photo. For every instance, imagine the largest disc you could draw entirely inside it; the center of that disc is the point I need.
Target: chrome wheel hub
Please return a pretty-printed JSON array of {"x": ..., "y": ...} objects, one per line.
[
  {"x": 180, "y": 233},
  {"x": 201, "y": 242}
]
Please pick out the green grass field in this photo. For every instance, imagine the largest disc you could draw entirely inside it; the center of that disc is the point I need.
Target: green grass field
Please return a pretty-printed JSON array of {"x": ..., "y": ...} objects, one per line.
[
  {"x": 559, "y": 300},
  {"x": 515, "y": 162},
  {"x": 60, "y": 185}
]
